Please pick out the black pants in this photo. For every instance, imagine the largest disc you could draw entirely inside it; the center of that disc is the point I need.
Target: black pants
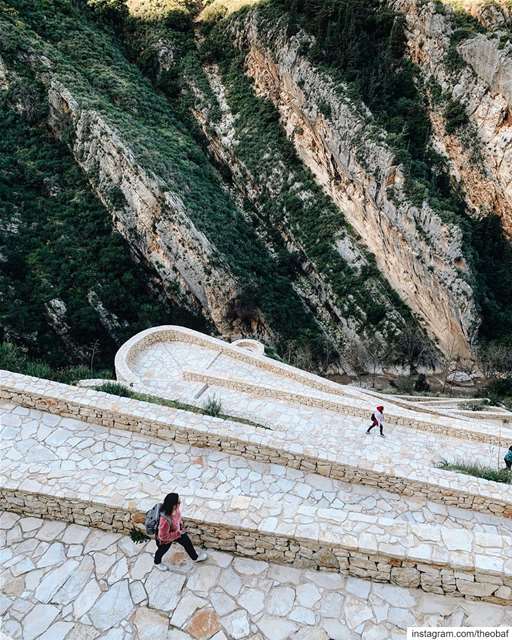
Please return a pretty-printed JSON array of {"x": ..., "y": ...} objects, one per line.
[
  {"x": 509, "y": 464},
  {"x": 374, "y": 424},
  {"x": 185, "y": 542}
]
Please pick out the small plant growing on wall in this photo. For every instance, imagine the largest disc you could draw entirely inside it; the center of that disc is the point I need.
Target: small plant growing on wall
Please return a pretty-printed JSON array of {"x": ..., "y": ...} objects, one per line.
[
  {"x": 138, "y": 536},
  {"x": 213, "y": 407}
]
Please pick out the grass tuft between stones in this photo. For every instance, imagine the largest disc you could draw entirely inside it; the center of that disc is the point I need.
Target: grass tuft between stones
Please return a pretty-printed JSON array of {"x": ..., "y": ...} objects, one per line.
[
  {"x": 477, "y": 470},
  {"x": 117, "y": 389}
]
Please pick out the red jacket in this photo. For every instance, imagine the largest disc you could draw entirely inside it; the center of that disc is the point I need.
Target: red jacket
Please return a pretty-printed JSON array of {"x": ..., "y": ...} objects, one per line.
[{"x": 170, "y": 528}]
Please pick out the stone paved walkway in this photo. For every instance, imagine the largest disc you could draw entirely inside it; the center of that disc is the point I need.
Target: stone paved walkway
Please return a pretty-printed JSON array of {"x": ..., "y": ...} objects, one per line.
[
  {"x": 404, "y": 449},
  {"x": 161, "y": 366},
  {"x": 65, "y": 456},
  {"x": 69, "y": 582}
]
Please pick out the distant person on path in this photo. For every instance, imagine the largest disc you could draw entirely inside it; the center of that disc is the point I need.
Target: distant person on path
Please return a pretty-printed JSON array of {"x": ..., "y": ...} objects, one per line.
[
  {"x": 377, "y": 420},
  {"x": 508, "y": 459},
  {"x": 170, "y": 529}
]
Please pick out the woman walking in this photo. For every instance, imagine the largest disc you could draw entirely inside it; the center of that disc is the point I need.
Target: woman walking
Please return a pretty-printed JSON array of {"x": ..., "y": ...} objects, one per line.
[
  {"x": 170, "y": 529},
  {"x": 377, "y": 420}
]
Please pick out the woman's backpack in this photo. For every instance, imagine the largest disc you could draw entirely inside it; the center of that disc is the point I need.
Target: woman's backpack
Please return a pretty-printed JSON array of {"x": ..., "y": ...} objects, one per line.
[{"x": 152, "y": 519}]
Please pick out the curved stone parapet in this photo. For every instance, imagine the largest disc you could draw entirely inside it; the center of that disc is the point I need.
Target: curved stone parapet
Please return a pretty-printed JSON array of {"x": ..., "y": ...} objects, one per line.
[
  {"x": 252, "y": 346},
  {"x": 147, "y": 362},
  {"x": 244, "y": 350}
]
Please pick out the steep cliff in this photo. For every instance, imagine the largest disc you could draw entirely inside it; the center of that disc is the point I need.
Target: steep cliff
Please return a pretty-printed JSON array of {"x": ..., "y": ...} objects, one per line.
[
  {"x": 419, "y": 254},
  {"x": 144, "y": 166},
  {"x": 67, "y": 281},
  {"x": 314, "y": 174},
  {"x": 146, "y": 209},
  {"x": 333, "y": 271},
  {"x": 473, "y": 71}
]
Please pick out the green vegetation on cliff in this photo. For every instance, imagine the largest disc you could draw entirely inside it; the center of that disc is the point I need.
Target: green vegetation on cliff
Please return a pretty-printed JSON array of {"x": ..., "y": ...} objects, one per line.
[
  {"x": 137, "y": 64},
  {"x": 290, "y": 199},
  {"x": 57, "y": 244},
  {"x": 88, "y": 59},
  {"x": 361, "y": 45},
  {"x": 289, "y": 207}
]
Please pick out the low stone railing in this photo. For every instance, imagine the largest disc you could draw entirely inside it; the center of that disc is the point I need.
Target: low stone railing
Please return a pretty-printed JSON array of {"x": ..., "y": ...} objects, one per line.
[
  {"x": 251, "y": 442},
  {"x": 171, "y": 333},
  {"x": 463, "y": 431},
  {"x": 433, "y": 558}
]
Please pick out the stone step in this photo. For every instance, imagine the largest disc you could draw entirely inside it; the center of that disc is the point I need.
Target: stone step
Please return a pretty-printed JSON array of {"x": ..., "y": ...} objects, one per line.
[
  {"x": 209, "y": 348},
  {"x": 60, "y": 579},
  {"x": 176, "y": 352},
  {"x": 257, "y": 444},
  {"x": 434, "y": 559}
]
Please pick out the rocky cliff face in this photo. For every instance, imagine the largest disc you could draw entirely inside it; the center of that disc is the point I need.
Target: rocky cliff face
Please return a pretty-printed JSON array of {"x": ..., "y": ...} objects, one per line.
[
  {"x": 311, "y": 285},
  {"x": 477, "y": 73},
  {"x": 258, "y": 184},
  {"x": 146, "y": 210},
  {"x": 420, "y": 255}
]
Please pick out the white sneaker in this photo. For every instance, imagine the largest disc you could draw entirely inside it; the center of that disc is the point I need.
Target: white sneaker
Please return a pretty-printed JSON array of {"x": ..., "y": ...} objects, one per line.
[
  {"x": 382, "y": 435},
  {"x": 162, "y": 566},
  {"x": 202, "y": 556}
]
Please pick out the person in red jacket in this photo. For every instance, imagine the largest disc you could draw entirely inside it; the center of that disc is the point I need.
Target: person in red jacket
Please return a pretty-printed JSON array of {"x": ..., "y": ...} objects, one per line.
[
  {"x": 377, "y": 420},
  {"x": 170, "y": 529}
]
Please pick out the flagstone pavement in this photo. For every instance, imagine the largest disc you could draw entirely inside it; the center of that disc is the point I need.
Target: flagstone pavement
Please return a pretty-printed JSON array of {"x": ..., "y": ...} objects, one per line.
[
  {"x": 62, "y": 581},
  {"x": 160, "y": 367},
  {"x": 64, "y": 456}
]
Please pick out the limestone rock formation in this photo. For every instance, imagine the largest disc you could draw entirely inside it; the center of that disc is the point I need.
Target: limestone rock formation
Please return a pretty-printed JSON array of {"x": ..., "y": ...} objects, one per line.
[
  {"x": 145, "y": 208},
  {"x": 421, "y": 256},
  {"x": 255, "y": 184},
  {"x": 481, "y": 81}
]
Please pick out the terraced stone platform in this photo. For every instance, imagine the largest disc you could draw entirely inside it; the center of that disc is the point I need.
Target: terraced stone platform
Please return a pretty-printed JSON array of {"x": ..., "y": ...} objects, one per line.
[
  {"x": 63, "y": 468},
  {"x": 310, "y": 491},
  {"x": 45, "y": 452},
  {"x": 61, "y": 581},
  {"x": 404, "y": 463}
]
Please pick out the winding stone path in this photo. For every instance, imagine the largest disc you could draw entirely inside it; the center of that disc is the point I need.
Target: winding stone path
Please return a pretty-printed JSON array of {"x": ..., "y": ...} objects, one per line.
[
  {"x": 161, "y": 368},
  {"x": 68, "y": 582},
  {"x": 67, "y": 456},
  {"x": 61, "y": 580}
]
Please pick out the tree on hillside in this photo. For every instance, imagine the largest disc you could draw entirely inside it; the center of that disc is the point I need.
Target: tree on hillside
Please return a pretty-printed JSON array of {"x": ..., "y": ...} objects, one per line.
[
  {"x": 378, "y": 354},
  {"x": 368, "y": 356},
  {"x": 493, "y": 359},
  {"x": 414, "y": 350},
  {"x": 355, "y": 356}
]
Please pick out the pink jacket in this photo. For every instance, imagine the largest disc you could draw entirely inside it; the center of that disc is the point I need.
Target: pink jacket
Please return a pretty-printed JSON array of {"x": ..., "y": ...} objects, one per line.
[
  {"x": 170, "y": 528},
  {"x": 379, "y": 417}
]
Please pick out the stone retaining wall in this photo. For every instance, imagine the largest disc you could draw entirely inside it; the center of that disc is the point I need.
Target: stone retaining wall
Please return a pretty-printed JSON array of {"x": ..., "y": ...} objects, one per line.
[
  {"x": 462, "y": 432},
  {"x": 413, "y": 560},
  {"x": 256, "y": 444}
]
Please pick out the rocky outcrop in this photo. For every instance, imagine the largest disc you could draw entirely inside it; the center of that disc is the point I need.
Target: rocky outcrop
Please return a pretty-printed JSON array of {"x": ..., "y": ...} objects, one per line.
[
  {"x": 420, "y": 255},
  {"x": 145, "y": 209},
  {"x": 480, "y": 154},
  {"x": 312, "y": 285},
  {"x": 110, "y": 321}
]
